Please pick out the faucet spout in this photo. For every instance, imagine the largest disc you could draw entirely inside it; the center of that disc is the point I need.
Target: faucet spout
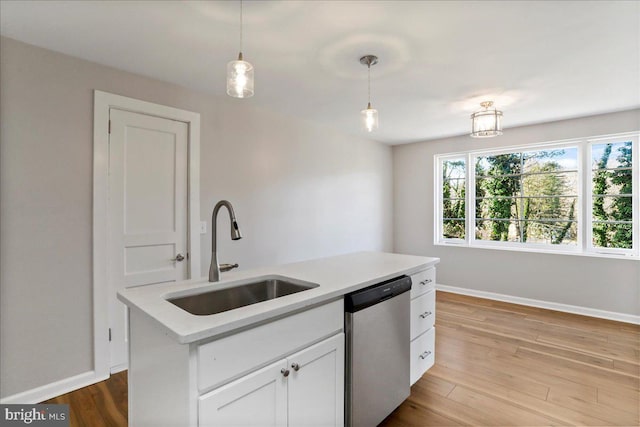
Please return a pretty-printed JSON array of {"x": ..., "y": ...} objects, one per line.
[{"x": 214, "y": 269}]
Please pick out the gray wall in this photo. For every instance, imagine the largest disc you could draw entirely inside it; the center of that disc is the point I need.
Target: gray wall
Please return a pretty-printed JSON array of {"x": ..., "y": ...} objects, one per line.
[
  {"x": 598, "y": 283},
  {"x": 299, "y": 190}
]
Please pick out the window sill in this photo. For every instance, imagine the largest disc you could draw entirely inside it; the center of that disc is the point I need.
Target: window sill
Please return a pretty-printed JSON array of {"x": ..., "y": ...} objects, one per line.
[{"x": 539, "y": 250}]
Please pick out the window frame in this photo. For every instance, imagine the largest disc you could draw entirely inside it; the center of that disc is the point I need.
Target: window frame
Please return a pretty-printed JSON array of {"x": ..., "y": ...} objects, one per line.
[{"x": 584, "y": 219}]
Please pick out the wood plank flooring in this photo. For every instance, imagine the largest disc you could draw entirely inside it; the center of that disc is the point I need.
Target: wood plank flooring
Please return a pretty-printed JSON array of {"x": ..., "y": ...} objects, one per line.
[
  {"x": 500, "y": 364},
  {"x": 497, "y": 364}
]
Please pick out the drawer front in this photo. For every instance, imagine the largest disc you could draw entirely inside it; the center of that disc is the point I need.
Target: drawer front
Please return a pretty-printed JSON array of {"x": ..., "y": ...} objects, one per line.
[
  {"x": 423, "y": 313},
  {"x": 422, "y": 354},
  {"x": 229, "y": 357},
  {"x": 422, "y": 282}
]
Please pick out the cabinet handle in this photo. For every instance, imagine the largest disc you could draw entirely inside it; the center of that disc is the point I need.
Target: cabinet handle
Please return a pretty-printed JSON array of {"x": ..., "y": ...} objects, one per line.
[
  {"x": 426, "y": 282},
  {"x": 284, "y": 372},
  {"x": 295, "y": 367},
  {"x": 425, "y": 314},
  {"x": 425, "y": 355}
]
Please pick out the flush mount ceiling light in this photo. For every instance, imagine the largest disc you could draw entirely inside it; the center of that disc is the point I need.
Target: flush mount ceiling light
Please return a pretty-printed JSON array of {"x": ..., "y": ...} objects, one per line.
[
  {"x": 486, "y": 122},
  {"x": 369, "y": 115},
  {"x": 240, "y": 73}
]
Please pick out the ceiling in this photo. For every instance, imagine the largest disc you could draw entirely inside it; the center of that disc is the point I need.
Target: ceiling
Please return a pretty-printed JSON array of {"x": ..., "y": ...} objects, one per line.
[{"x": 538, "y": 60}]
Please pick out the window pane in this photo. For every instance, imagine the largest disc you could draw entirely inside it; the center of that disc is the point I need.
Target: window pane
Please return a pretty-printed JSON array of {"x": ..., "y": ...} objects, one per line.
[
  {"x": 550, "y": 160},
  {"x": 528, "y": 197},
  {"x": 549, "y": 184},
  {"x": 611, "y": 155},
  {"x": 613, "y": 182},
  {"x": 612, "y": 235},
  {"x": 453, "y": 228},
  {"x": 453, "y": 198},
  {"x": 499, "y": 186},
  {"x": 453, "y": 189},
  {"x": 497, "y": 230},
  {"x": 497, "y": 208},
  {"x": 502, "y": 164},
  {"x": 550, "y": 232},
  {"x": 549, "y": 208},
  {"x": 612, "y": 189},
  {"x": 612, "y": 208}
]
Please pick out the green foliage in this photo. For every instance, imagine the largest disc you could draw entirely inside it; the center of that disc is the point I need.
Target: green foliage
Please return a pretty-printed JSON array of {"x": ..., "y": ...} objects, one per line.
[
  {"x": 600, "y": 231},
  {"x": 503, "y": 187},
  {"x": 453, "y": 199},
  {"x": 618, "y": 184},
  {"x": 522, "y": 204}
]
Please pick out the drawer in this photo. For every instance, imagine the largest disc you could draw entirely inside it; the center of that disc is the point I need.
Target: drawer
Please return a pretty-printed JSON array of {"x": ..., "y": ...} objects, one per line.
[
  {"x": 234, "y": 355},
  {"x": 423, "y": 313},
  {"x": 422, "y": 354},
  {"x": 422, "y": 282}
]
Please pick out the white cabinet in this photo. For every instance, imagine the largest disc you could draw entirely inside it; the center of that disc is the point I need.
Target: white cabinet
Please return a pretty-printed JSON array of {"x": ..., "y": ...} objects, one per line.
[
  {"x": 285, "y": 372},
  {"x": 423, "y": 314},
  {"x": 316, "y": 384},
  {"x": 257, "y": 399},
  {"x": 304, "y": 389}
]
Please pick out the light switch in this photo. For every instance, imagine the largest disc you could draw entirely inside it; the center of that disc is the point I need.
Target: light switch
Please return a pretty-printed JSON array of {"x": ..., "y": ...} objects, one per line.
[{"x": 203, "y": 227}]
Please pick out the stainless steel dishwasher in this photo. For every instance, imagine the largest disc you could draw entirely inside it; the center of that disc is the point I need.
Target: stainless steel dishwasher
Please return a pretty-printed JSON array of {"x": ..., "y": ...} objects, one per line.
[{"x": 377, "y": 324}]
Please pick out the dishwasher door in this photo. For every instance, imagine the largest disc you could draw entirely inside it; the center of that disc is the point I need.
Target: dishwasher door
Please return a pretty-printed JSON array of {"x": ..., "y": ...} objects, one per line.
[{"x": 378, "y": 348}]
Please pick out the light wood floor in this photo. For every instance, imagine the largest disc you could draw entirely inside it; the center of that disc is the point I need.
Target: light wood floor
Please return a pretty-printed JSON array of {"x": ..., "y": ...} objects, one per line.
[{"x": 497, "y": 364}]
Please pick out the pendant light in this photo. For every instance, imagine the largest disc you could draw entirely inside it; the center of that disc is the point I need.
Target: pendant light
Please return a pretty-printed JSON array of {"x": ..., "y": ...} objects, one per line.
[
  {"x": 240, "y": 73},
  {"x": 486, "y": 122},
  {"x": 369, "y": 115}
]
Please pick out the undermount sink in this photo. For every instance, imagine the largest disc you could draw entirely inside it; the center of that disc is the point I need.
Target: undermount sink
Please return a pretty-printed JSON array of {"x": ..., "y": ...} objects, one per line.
[{"x": 240, "y": 295}]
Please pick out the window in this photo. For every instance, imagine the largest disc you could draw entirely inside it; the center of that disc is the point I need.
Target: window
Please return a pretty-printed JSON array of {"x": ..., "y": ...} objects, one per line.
[
  {"x": 528, "y": 196},
  {"x": 544, "y": 197},
  {"x": 612, "y": 194}
]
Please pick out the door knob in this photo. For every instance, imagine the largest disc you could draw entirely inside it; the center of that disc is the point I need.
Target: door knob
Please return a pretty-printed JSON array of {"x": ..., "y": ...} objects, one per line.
[
  {"x": 178, "y": 258},
  {"x": 284, "y": 372},
  {"x": 295, "y": 367}
]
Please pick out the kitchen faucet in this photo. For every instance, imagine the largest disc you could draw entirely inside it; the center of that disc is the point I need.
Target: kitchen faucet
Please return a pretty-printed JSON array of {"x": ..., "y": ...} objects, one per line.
[{"x": 215, "y": 268}]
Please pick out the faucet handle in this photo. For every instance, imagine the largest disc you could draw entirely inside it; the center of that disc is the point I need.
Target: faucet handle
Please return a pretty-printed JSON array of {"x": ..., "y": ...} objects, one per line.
[{"x": 227, "y": 267}]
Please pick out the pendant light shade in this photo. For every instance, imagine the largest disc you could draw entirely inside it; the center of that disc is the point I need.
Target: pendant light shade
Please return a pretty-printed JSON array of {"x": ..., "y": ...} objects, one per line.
[
  {"x": 240, "y": 73},
  {"x": 239, "y": 78},
  {"x": 486, "y": 122},
  {"x": 369, "y": 115},
  {"x": 369, "y": 118}
]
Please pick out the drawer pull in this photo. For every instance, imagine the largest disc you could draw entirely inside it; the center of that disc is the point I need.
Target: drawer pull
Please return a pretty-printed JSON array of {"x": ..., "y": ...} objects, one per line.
[
  {"x": 426, "y": 282},
  {"x": 425, "y": 355},
  {"x": 295, "y": 367},
  {"x": 425, "y": 314},
  {"x": 285, "y": 372}
]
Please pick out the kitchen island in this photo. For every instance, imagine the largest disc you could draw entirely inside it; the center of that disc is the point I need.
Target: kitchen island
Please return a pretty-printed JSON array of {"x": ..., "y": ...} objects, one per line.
[{"x": 280, "y": 361}]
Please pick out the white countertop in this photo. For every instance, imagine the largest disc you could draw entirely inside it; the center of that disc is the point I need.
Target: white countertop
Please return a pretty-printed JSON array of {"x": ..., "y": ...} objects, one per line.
[{"x": 335, "y": 276}]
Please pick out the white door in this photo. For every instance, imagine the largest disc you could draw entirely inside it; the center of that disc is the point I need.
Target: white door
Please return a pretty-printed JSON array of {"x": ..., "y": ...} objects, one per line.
[
  {"x": 258, "y": 400},
  {"x": 147, "y": 211},
  {"x": 316, "y": 384}
]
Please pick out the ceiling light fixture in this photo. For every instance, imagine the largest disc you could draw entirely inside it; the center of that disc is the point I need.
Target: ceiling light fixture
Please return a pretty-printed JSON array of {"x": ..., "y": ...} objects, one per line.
[
  {"x": 240, "y": 73},
  {"x": 369, "y": 115},
  {"x": 486, "y": 122}
]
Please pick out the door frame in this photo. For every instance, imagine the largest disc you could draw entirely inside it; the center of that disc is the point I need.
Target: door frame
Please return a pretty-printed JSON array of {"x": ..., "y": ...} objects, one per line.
[{"x": 103, "y": 102}]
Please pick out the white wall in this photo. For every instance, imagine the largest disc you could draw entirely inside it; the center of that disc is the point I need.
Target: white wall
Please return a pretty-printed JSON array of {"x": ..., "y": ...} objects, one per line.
[
  {"x": 299, "y": 190},
  {"x": 598, "y": 283}
]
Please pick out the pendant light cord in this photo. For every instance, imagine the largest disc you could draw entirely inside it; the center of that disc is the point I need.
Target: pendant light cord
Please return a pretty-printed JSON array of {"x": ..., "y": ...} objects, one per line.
[
  {"x": 369, "y": 86},
  {"x": 240, "y": 26}
]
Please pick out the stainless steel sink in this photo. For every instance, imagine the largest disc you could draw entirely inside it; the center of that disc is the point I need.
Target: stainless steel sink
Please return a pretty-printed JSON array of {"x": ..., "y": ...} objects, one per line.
[{"x": 243, "y": 294}]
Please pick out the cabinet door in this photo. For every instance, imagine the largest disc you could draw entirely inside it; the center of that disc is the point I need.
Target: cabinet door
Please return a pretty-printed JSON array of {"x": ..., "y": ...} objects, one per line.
[
  {"x": 316, "y": 388},
  {"x": 257, "y": 399}
]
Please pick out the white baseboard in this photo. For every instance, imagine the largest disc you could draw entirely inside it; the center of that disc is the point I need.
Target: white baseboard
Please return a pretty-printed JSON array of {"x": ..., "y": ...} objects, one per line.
[
  {"x": 585, "y": 311},
  {"x": 48, "y": 391}
]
